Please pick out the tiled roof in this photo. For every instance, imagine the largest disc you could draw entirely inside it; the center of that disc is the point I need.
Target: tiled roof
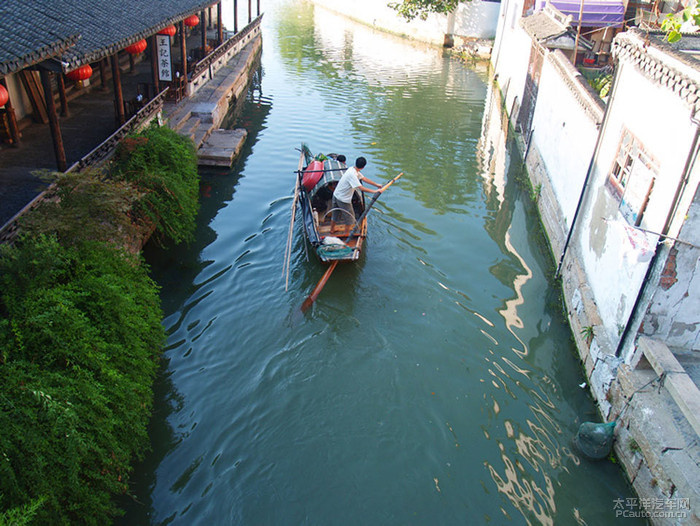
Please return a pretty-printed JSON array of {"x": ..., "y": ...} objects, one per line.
[
  {"x": 662, "y": 63},
  {"x": 541, "y": 27},
  {"x": 81, "y": 31},
  {"x": 545, "y": 24},
  {"x": 551, "y": 28}
]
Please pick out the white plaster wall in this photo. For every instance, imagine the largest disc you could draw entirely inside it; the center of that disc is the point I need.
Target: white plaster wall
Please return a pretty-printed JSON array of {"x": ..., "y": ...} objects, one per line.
[
  {"x": 476, "y": 19},
  {"x": 511, "y": 55},
  {"x": 661, "y": 122},
  {"x": 565, "y": 136}
]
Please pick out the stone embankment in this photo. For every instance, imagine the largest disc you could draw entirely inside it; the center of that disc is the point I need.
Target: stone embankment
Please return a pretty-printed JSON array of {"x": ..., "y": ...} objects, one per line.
[{"x": 200, "y": 115}]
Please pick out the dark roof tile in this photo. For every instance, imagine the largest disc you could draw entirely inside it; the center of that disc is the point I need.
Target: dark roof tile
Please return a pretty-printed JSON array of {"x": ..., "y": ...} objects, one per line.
[{"x": 81, "y": 31}]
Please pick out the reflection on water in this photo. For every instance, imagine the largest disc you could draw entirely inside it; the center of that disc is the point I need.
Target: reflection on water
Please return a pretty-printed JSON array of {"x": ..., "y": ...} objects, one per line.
[{"x": 433, "y": 382}]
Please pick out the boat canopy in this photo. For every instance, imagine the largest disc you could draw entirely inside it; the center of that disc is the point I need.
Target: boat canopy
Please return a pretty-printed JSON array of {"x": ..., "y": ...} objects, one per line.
[{"x": 332, "y": 171}]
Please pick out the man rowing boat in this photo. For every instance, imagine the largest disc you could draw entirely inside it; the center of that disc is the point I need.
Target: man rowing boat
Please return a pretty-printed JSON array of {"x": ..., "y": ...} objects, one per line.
[{"x": 352, "y": 179}]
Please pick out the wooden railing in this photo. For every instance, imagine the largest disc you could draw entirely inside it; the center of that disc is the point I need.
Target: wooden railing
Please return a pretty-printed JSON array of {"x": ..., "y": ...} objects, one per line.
[
  {"x": 97, "y": 156},
  {"x": 204, "y": 64}
]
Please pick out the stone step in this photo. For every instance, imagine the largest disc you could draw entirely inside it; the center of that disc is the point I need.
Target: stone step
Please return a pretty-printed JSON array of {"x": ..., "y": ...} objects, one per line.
[
  {"x": 189, "y": 128},
  {"x": 178, "y": 119},
  {"x": 221, "y": 147},
  {"x": 202, "y": 133}
]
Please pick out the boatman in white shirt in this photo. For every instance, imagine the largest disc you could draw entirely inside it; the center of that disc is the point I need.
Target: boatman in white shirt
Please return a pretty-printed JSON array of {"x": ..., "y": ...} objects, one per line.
[{"x": 352, "y": 179}]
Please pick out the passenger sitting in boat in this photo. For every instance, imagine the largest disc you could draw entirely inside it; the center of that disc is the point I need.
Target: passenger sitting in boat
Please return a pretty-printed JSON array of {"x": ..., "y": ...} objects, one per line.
[{"x": 352, "y": 179}]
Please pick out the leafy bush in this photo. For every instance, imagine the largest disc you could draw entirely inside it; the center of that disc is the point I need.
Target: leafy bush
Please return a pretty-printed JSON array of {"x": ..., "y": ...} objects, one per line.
[
  {"x": 80, "y": 335},
  {"x": 602, "y": 84},
  {"x": 87, "y": 206},
  {"x": 80, "y": 332},
  {"x": 162, "y": 165}
]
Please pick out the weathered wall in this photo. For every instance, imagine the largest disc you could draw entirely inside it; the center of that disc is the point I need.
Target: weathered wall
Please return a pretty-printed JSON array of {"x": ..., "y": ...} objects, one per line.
[
  {"x": 654, "y": 100},
  {"x": 673, "y": 314},
  {"x": 474, "y": 19},
  {"x": 612, "y": 268}
]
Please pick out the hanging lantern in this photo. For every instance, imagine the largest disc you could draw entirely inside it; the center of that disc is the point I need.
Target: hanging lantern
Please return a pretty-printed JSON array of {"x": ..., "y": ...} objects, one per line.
[
  {"x": 170, "y": 31},
  {"x": 84, "y": 72},
  {"x": 4, "y": 96},
  {"x": 191, "y": 21},
  {"x": 136, "y": 47}
]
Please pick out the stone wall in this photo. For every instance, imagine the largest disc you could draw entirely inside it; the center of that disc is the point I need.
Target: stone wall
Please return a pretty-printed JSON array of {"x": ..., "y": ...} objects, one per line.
[{"x": 650, "y": 393}]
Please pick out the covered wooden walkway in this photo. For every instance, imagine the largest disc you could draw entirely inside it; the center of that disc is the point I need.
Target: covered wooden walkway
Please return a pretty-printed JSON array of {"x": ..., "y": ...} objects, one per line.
[{"x": 69, "y": 123}]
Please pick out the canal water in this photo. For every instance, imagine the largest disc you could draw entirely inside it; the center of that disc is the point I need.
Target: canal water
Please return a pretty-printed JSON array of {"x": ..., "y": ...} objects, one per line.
[{"x": 433, "y": 382}]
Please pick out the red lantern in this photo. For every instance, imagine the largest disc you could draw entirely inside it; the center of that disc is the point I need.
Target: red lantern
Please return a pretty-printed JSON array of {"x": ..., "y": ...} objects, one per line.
[
  {"x": 4, "y": 96},
  {"x": 84, "y": 72},
  {"x": 170, "y": 31},
  {"x": 136, "y": 47},
  {"x": 192, "y": 21}
]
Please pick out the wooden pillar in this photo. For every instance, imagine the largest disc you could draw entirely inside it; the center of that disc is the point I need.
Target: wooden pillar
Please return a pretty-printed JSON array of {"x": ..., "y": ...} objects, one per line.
[
  {"x": 53, "y": 121},
  {"x": 62, "y": 95},
  {"x": 235, "y": 16},
  {"x": 11, "y": 117},
  {"x": 103, "y": 75},
  {"x": 203, "y": 28},
  {"x": 183, "y": 50},
  {"x": 154, "y": 65},
  {"x": 219, "y": 26},
  {"x": 250, "y": 11},
  {"x": 118, "y": 96}
]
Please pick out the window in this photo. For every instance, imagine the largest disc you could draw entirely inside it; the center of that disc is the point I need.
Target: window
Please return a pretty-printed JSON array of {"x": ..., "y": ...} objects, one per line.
[{"x": 631, "y": 178}]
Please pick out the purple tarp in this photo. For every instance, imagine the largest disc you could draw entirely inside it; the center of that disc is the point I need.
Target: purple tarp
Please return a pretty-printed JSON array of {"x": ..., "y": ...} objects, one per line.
[{"x": 596, "y": 13}]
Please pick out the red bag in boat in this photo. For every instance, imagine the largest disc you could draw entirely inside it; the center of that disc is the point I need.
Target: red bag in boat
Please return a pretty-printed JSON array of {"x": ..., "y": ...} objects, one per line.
[{"x": 312, "y": 175}]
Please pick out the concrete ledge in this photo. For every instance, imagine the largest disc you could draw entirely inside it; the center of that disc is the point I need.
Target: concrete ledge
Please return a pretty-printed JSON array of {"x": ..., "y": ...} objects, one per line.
[
  {"x": 655, "y": 443},
  {"x": 222, "y": 147}
]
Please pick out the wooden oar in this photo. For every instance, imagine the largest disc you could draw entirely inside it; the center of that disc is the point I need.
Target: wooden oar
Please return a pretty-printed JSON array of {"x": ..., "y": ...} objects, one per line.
[
  {"x": 319, "y": 287},
  {"x": 288, "y": 249},
  {"x": 374, "y": 198}
]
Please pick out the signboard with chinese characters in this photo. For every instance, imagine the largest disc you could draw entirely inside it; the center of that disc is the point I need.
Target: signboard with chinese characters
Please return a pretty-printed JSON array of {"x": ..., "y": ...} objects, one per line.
[{"x": 165, "y": 70}]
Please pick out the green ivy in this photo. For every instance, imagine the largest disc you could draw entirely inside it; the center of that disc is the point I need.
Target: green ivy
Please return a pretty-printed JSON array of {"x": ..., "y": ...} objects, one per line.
[{"x": 686, "y": 20}]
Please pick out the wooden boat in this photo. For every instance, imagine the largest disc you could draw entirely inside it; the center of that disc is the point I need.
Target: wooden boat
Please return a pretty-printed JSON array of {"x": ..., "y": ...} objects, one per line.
[
  {"x": 334, "y": 243},
  {"x": 317, "y": 179}
]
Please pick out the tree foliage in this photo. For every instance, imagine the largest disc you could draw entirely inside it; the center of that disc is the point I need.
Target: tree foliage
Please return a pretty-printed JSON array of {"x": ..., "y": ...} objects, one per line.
[
  {"x": 410, "y": 9},
  {"x": 684, "y": 21}
]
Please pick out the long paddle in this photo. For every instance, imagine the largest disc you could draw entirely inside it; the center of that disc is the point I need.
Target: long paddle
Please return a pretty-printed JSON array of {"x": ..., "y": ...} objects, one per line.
[
  {"x": 319, "y": 287},
  {"x": 288, "y": 249}
]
